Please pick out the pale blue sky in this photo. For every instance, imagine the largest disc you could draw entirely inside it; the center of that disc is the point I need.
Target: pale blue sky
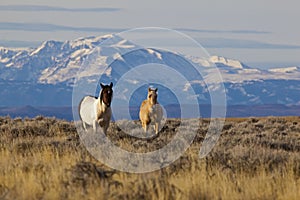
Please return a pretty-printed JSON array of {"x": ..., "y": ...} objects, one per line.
[{"x": 257, "y": 31}]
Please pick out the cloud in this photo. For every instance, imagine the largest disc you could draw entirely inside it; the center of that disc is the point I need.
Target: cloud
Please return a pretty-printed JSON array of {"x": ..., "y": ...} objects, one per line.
[
  {"x": 242, "y": 44},
  {"x": 216, "y": 43},
  {"x": 44, "y": 27},
  {"x": 31, "y": 8},
  {"x": 223, "y": 31},
  {"x": 54, "y": 27},
  {"x": 205, "y": 42},
  {"x": 19, "y": 43}
]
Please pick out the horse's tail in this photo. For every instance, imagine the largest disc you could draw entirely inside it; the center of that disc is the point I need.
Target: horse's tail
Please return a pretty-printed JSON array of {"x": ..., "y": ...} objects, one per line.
[{"x": 79, "y": 108}]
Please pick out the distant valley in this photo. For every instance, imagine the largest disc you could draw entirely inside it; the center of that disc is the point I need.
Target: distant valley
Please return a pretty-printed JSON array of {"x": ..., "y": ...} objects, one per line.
[{"x": 232, "y": 111}]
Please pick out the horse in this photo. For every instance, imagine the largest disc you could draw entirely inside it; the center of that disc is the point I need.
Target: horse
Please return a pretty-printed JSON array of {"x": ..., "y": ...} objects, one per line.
[
  {"x": 93, "y": 110},
  {"x": 151, "y": 111}
]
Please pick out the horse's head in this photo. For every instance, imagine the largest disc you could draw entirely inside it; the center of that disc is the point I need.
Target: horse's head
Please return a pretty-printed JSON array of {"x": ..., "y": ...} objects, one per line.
[
  {"x": 106, "y": 94},
  {"x": 152, "y": 95}
]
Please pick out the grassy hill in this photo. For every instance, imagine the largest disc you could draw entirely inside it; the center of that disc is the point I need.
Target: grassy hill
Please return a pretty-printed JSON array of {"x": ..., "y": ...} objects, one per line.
[{"x": 255, "y": 158}]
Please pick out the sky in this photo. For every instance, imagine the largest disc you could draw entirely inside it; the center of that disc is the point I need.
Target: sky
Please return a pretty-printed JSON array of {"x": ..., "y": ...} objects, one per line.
[{"x": 261, "y": 33}]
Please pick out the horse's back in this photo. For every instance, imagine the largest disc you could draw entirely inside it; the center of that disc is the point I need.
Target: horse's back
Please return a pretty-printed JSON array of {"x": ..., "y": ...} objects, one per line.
[{"x": 87, "y": 109}]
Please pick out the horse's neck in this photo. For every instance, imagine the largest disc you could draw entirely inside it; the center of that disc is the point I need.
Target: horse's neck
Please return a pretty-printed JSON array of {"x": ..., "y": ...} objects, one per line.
[
  {"x": 150, "y": 102},
  {"x": 101, "y": 105}
]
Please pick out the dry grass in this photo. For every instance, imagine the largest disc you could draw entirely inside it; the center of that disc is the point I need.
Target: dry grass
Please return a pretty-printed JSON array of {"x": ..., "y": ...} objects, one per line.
[{"x": 255, "y": 158}]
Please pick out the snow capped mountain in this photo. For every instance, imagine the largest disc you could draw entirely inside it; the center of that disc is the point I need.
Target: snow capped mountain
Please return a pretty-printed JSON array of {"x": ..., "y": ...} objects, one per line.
[
  {"x": 285, "y": 70},
  {"x": 49, "y": 58},
  {"x": 219, "y": 60},
  {"x": 50, "y": 69},
  {"x": 56, "y": 62}
]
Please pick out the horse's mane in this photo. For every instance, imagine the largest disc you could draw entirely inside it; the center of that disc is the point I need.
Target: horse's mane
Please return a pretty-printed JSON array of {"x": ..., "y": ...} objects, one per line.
[{"x": 101, "y": 95}]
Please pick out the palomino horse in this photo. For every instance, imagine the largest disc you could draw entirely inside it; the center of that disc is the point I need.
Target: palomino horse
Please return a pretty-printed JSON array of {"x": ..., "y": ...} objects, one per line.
[
  {"x": 93, "y": 110},
  {"x": 151, "y": 111}
]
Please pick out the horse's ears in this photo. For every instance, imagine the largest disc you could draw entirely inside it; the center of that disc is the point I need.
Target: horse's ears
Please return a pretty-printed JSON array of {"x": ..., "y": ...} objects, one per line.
[
  {"x": 111, "y": 85},
  {"x": 102, "y": 86},
  {"x": 150, "y": 89}
]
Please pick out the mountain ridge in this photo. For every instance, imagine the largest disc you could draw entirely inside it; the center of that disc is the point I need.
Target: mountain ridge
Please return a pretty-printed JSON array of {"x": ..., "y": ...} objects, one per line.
[
  {"x": 44, "y": 76},
  {"x": 59, "y": 54}
]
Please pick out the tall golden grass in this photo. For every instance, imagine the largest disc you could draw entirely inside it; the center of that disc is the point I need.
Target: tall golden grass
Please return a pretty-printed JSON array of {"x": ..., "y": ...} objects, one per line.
[{"x": 255, "y": 158}]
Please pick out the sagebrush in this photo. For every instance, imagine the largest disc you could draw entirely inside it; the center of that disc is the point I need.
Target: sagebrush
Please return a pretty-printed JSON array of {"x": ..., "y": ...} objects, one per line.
[{"x": 255, "y": 158}]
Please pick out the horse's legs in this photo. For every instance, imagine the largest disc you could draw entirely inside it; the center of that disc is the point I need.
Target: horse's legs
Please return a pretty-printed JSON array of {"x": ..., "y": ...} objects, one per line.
[
  {"x": 105, "y": 127},
  {"x": 157, "y": 126},
  {"x": 104, "y": 130},
  {"x": 84, "y": 126},
  {"x": 145, "y": 126},
  {"x": 95, "y": 125}
]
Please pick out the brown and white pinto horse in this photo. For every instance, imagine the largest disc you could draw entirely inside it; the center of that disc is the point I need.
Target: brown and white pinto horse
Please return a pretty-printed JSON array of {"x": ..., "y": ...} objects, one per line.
[
  {"x": 151, "y": 111},
  {"x": 93, "y": 110}
]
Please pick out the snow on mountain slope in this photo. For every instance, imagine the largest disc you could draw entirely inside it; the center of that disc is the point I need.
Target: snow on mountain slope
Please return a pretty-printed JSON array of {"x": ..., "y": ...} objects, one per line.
[
  {"x": 52, "y": 62},
  {"x": 48, "y": 47},
  {"x": 56, "y": 64},
  {"x": 235, "y": 71},
  {"x": 228, "y": 62},
  {"x": 285, "y": 70}
]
